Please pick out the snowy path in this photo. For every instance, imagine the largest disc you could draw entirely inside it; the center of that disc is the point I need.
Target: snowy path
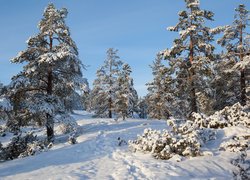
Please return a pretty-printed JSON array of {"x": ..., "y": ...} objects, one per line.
[{"x": 98, "y": 156}]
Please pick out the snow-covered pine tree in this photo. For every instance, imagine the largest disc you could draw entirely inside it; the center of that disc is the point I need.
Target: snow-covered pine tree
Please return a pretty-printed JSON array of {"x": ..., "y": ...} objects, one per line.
[
  {"x": 98, "y": 97},
  {"x": 192, "y": 52},
  {"x": 105, "y": 85},
  {"x": 73, "y": 102},
  {"x": 225, "y": 84},
  {"x": 134, "y": 101},
  {"x": 74, "y": 99},
  {"x": 142, "y": 107},
  {"x": 125, "y": 96},
  {"x": 52, "y": 70},
  {"x": 86, "y": 100},
  {"x": 160, "y": 90},
  {"x": 236, "y": 43}
]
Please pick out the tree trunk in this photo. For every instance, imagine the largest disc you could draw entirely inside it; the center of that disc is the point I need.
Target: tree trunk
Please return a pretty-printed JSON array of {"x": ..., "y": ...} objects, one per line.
[
  {"x": 243, "y": 87},
  {"x": 193, "y": 102},
  {"x": 50, "y": 128},
  {"x": 110, "y": 91},
  {"x": 123, "y": 116},
  {"x": 110, "y": 105},
  {"x": 50, "y": 121},
  {"x": 242, "y": 72}
]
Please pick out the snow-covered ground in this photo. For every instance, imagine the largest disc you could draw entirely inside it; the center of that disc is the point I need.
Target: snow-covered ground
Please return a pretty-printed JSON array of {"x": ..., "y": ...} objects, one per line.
[{"x": 97, "y": 155}]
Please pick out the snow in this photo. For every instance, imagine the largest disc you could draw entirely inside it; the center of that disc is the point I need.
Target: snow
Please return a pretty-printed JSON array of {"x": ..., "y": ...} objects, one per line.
[
  {"x": 243, "y": 64},
  {"x": 97, "y": 155},
  {"x": 5, "y": 104}
]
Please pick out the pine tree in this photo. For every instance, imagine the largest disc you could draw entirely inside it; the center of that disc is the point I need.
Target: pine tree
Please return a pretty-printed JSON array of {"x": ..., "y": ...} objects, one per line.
[
  {"x": 192, "y": 52},
  {"x": 73, "y": 101},
  {"x": 99, "y": 96},
  {"x": 134, "y": 101},
  {"x": 86, "y": 100},
  {"x": 125, "y": 96},
  {"x": 52, "y": 70},
  {"x": 142, "y": 108},
  {"x": 160, "y": 91},
  {"x": 225, "y": 84},
  {"x": 105, "y": 85},
  {"x": 236, "y": 43}
]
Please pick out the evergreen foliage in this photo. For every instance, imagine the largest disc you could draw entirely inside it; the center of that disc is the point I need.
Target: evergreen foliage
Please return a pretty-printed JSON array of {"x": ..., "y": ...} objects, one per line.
[
  {"x": 105, "y": 86},
  {"x": 113, "y": 89},
  {"x": 236, "y": 42},
  {"x": 160, "y": 91},
  {"x": 5, "y": 104},
  {"x": 187, "y": 137},
  {"x": 21, "y": 146},
  {"x": 191, "y": 56},
  {"x": 52, "y": 70},
  {"x": 243, "y": 167},
  {"x": 125, "y": 96},
  {"x": 166, "y": 144},
  {"x": 225, "y": 84},
  {"x": 66, "y": 124},
  {"x": 142, "y": 108},
  {"x": 229, "y": 116}
]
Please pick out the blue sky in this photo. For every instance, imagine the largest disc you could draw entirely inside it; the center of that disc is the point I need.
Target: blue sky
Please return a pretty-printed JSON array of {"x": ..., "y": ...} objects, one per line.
[{"x": 136, "y": 27}]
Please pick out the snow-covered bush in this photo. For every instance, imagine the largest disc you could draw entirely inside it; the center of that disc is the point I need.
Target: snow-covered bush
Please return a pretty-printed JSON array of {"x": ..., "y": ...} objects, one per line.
[
  {"x": 66, "y": 124},
  {"x": 165, "y": 144},
  {"x": 20, "y": 146},
  {"x": 188, "y": 136},
  {"x": 243, "y": 165},
  {"x": 33, "y": 148},
  {"x": 192, "y": 128},
  {"x": 185, "y": 139},
  {"x": 229, "y": 116},
  {"x": 236, "y": 144}
]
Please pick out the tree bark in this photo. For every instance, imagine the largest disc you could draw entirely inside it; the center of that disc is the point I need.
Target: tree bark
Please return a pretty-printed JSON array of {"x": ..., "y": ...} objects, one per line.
[
  {"x": 242, "y": 72},
  {"x": 243, "y": 87},
  {"x": 110, "y": 91},
  {"x": 50, "y": 121},
  {"x": 193, "y": 102},
  {"x": 110, "y": 105}
]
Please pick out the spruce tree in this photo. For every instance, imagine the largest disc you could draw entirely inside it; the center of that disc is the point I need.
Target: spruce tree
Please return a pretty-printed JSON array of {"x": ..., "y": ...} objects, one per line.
[
  {"x": 192, "y": 53},
  {"x": 236, "y": 43},
  {"x": 134, "y": 101},
  {"x": 142, "y": 107},
  {"x": 86, "y": 101},
  {"x": 160, "y": 91},
  {"x": 225, "y": 84},
  {"x": 125, "y": 96},
  {"x": 99, "y": 95},
  {"x": 52, "y": 70},
  {"x": 105, "y": 85}
]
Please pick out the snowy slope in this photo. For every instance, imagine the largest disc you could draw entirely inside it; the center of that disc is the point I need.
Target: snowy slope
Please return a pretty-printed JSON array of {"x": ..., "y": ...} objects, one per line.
[{"x": 98, "y": 156}]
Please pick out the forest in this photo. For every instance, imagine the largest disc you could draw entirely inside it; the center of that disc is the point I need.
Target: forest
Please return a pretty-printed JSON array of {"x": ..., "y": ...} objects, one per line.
[{"x": 200, "y": 91}]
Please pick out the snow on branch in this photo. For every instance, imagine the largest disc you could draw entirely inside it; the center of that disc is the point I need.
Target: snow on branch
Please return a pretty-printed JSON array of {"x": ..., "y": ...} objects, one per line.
[{"x": 5, "y": 104}]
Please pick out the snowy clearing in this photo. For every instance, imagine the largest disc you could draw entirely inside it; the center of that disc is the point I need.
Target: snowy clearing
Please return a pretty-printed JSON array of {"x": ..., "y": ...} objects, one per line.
[{"x": 97, "y": 155}]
